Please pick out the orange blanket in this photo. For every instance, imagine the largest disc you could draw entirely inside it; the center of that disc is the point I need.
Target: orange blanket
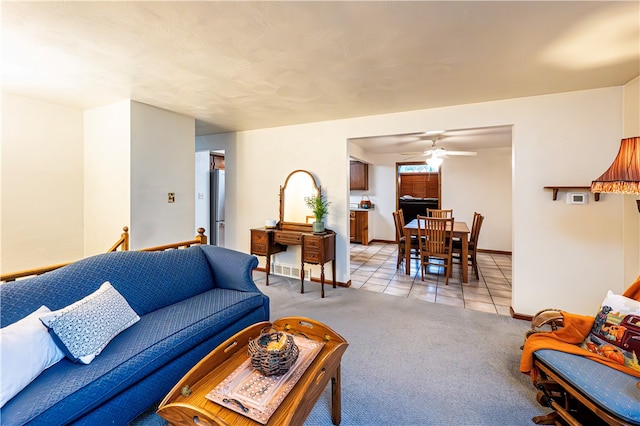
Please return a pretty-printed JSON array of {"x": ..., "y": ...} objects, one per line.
[{"x": 576, "y": 329}]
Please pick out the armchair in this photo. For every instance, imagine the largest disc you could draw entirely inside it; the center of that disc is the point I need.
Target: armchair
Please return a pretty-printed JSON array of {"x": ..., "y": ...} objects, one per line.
[{"x": 584, "y": 383}]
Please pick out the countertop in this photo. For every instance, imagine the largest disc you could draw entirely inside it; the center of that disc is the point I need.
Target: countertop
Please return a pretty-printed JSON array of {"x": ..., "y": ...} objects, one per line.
[{"x": 358, "y": 209}]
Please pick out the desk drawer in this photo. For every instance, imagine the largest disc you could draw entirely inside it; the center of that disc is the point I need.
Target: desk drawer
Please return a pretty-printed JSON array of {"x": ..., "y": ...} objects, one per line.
[
  {"x": 258, "y": 237},
  {"x": 259, "y": 248},
  {"x": 288, "y": 237},
  {"x": 312, "y": 242},
  {"x": 311, "y": 256},
  {"x": 259, "y": 242}
]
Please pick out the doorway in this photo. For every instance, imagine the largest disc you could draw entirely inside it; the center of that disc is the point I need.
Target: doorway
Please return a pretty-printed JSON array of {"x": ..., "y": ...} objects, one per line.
[
  {"x": 418, "y": 188},
  {"x": 217, "y": 198},
  {"x": 476, "y": 175}
]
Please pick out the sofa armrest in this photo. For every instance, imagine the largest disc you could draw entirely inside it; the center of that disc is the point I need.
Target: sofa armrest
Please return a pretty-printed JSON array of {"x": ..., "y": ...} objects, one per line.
[{"x": 231, "y": 269}]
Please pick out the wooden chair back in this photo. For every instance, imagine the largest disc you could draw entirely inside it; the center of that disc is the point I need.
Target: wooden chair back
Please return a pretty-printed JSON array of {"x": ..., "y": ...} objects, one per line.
[
  {"x": 441, "y": 213},
  {"x": 474, "y": 235},
  {"x": 435, "y": 236},
  {"x": 398, "y": 220},
  {"x": 475, "y": 230},
  {"x": 399, "y": 229},
  {"x": 401, "y": 221}
]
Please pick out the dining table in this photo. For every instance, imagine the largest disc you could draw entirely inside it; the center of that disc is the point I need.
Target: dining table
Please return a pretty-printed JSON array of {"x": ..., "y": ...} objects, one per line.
[{"x": 460, "y": 230}]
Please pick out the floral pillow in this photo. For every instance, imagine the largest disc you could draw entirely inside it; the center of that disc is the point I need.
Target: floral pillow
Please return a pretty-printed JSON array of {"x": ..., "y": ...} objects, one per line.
[
  {"x": 616, "y": 331},
  {"x": 84, "y": 328}
]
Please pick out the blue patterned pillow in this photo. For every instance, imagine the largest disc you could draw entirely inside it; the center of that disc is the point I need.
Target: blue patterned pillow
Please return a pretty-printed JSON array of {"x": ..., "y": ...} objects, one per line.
[{"x": 84, "y": 328}]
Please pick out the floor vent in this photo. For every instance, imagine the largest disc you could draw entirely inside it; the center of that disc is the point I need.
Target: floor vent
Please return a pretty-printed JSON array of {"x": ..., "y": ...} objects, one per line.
[{"x": 290, "y": 271}]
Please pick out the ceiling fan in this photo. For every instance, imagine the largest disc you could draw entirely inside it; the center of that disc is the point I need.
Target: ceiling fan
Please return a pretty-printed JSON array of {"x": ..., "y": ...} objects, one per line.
[
  {"x": 436, "y": 154},
  {"x": 444, "y": 153}
]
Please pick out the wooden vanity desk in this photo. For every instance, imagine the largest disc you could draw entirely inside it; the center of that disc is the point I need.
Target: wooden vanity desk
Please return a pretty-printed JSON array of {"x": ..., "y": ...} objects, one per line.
[
  {"x": 294, "y": 229},
  {"x": 317, "y": 249}
]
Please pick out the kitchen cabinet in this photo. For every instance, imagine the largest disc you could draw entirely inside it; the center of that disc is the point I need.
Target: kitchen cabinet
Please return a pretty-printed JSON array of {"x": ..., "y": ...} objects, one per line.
[
  {"x": 216, "y": 162},
  {"x": 352, "y": 226},
  {"x": 359, "y": 227},
  {"x": 359, "y": 175}
]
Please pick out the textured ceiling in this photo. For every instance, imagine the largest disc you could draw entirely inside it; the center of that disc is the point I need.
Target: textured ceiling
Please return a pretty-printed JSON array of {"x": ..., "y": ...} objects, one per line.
[{"x": 249, "y": 65}]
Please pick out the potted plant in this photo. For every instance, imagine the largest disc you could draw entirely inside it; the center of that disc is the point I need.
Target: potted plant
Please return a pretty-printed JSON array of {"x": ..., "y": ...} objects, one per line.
[{"x": 320, "y": 208}]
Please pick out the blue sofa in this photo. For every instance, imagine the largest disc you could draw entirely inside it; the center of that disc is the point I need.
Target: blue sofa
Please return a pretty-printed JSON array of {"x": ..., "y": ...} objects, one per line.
[{"x": 189, "y": 301}]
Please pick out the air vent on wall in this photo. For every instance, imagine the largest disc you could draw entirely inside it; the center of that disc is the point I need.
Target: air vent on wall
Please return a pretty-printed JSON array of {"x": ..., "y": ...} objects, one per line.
[{"x": 290, "y": 271}]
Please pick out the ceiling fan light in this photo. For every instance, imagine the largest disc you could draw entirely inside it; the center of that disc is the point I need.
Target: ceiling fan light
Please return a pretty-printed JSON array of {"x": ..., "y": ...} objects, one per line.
[
  {"x": 623, "y": 176},
  {"x": 434, "y": 161}
]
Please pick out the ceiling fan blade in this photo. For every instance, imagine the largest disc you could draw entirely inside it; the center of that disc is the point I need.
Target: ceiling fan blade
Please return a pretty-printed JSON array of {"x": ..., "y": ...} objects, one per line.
[
  {"x": 467, "y": 153},
  {"x": 411, "y": 155},
  {"x": 436, "y": 152}
]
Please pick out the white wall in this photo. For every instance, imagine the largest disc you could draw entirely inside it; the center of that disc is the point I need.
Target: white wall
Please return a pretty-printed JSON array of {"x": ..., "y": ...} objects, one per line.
[
  {"x": 382, "y": 193},
  {"x": 162, "y": 147},
  {"x": 135, "y": 155},
  {"x": 632, "y": 108},
  {"x": 559, "y": 250},
  {"x": 481, "y": 184},
  {"x": 72, "y": 179},
  {"x": 258, "y": 162},
  {"x": 202, "y": 193},
  {"x": 107, "y": 175},
  {"x": 41, "y": 183},
  {"x": 631, "y": 231}
]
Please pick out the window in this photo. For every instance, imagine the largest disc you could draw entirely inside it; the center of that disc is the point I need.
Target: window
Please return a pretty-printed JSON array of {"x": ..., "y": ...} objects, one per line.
[{"x": 416, "y": 168}]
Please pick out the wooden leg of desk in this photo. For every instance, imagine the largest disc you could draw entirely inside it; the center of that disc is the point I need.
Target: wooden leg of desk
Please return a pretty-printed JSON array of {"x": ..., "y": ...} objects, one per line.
[
  {"x": 268, "y": 267},
  {"x": 302, "y": 278},
  {"x": 333, "y": 272},
  {"x": 322, "y": 280},
  {"x": 336, "y": 398}
]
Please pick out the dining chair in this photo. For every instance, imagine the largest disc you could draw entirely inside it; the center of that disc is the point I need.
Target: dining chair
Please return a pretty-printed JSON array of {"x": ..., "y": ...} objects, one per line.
[
  {"x": 440, "y": 213},
  {"x": 435, "y": 239},
  {"x": 473, "y": 244},
  {"x": 398, "y": 220},
  {"x": 401, "y": 219}
]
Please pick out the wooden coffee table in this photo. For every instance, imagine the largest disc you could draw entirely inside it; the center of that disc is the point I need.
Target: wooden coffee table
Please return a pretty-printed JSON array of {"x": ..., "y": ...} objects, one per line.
[{"x": 186, "y": 402}]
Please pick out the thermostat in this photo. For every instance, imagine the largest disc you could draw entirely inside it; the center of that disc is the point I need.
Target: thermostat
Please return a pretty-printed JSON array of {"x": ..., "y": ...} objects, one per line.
[{"x": 577, "y": 198}]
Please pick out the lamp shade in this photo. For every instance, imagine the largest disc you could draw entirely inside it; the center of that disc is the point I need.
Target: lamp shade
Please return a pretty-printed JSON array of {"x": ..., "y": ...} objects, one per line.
[{"x": 623, "y": 176}]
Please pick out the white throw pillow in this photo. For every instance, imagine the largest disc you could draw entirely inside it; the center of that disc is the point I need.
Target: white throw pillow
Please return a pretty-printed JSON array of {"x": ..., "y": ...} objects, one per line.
[
  {"x": 26, "y": 350},
  {"x": 84, "y": 328}
]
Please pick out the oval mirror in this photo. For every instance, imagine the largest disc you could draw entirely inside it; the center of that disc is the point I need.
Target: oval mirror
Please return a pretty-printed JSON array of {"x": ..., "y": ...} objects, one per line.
[{"x": 294, "y": 213}]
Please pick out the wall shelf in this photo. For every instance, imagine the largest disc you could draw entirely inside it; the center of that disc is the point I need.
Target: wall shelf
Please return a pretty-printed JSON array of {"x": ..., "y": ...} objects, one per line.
[{"x": 555, "y": 190}]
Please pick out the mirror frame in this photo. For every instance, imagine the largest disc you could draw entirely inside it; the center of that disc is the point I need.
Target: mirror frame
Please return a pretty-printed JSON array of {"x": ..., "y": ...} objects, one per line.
[{"x": 295, "y": 226}]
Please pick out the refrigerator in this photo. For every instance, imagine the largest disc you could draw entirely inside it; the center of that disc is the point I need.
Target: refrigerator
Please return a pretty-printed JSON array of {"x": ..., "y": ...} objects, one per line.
[{"x": 216, "y": 181}]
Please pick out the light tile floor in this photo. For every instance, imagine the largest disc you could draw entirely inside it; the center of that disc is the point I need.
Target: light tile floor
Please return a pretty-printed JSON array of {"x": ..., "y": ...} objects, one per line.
[{"x": 373, "y": 268}]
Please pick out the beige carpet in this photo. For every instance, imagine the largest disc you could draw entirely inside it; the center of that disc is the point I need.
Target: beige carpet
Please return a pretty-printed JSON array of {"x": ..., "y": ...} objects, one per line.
[{"x": 411, "y": 362}]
